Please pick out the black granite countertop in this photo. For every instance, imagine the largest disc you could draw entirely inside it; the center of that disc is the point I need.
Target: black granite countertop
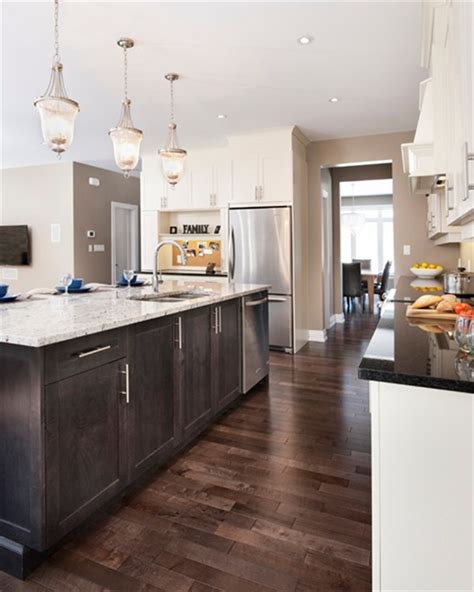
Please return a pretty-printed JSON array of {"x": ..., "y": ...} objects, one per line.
[
  {"x": 406, "y": 354},
  {"x": 409, "y": 288}
]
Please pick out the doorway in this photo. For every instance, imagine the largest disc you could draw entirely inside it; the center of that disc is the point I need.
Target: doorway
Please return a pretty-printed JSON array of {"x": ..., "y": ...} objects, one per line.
[{"x": 124, "y": 238}]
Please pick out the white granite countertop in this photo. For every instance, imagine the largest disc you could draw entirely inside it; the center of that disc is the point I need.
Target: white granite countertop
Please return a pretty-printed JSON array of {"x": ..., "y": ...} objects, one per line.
[{"x": 44, "y": 320}]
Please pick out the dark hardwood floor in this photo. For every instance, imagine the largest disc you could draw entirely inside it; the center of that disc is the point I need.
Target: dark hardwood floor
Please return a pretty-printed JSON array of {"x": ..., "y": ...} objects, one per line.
[{"x": 274, "y": 497}]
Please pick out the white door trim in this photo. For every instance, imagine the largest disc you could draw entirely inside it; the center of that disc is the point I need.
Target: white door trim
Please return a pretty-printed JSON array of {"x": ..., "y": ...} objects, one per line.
[{"x": 114, "y": 206}]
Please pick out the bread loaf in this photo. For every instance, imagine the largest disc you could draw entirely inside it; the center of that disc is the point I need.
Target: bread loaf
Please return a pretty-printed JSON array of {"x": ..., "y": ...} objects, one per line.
[{"x": 426, "y": 301}]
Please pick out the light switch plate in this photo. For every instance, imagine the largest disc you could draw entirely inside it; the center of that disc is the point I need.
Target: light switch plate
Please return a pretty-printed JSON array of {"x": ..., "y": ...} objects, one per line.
[
  {"x": 99, "y": 248},
  {"x": 407, "y": 249},
  {"x": 9, "y": 273},
  {"x": 94, "y": 181},
  {"x": 55, "y": 233}
]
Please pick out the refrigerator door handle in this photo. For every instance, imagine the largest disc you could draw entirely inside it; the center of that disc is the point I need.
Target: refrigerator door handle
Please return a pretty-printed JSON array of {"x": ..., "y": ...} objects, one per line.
[{"x": 232, "y": 253}]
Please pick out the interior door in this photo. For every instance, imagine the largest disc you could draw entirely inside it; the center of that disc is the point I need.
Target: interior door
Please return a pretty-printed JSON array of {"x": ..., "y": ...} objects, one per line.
[{"x": 125, "y": 237}]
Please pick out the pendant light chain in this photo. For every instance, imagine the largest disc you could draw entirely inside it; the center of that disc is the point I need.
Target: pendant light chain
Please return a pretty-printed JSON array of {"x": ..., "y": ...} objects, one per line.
[
  {"x": 171, "y": 101},
  {"x": 125, "y": 73},
  {"x": 56, "y": 57}
]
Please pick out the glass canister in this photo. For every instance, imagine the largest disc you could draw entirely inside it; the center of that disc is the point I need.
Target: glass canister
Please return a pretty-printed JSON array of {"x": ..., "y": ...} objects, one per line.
[{"x": 464, "y": 332}]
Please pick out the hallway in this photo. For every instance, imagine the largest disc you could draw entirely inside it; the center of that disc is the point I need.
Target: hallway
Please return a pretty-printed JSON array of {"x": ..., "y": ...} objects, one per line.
[{"x": 274, "y": 497}]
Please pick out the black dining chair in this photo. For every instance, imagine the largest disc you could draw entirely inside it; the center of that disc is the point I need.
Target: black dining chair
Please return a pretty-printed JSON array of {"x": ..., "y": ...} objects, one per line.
[
  {"x": 381, "y": 285},
  {"x": 365, "y": 264},
  {"x": 352, "y": 284}
]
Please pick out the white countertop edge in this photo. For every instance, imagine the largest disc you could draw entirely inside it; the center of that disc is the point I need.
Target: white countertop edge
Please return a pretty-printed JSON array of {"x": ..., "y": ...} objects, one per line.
[{"x": 165, "y": 309}]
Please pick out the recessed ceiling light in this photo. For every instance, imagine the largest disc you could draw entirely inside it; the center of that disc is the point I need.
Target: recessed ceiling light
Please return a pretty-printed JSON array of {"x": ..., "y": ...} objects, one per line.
[
  {"x": 334, "y": 100},
  {"x": 305, "y": 40},
  {"x": 222, "y": 116}
]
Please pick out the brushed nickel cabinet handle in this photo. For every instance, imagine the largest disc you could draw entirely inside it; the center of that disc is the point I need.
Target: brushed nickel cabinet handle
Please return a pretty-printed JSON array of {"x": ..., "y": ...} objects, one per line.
[
  {"x": 215, "y": 324},
  {"x": 179, "y": 341},
  {"x": 126, "y": 392},
  {"x": 220, "y": 318},
  {"x": 256, "y": 302},
  {"x": 94, "y": 351}
]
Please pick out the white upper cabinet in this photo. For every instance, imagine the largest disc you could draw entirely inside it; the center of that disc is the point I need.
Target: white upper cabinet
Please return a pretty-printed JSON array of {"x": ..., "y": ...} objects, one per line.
[
  {"x": 451, "y": 61},
  {"x": 210, "y": 178},
  {"x": 245, "y": 177},
  {"x": 179, "y": 196},
  {"x": 262, "y": 167},
  {"x": 151, "y": 183}
]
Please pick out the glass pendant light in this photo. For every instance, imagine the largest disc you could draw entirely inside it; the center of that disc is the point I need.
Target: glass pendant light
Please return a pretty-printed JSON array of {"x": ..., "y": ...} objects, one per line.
[
  {"x": 172, "y": 157},
  {"x": 57, "y": 111},
  {"x": 126, "y": 138}
]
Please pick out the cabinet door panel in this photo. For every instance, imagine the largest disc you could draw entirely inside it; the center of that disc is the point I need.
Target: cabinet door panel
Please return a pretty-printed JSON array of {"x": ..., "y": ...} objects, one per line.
[
  {"x": 245, "y": 178},
  {"x": 84, "y": 462},
  {"x": 226, "y": 366},
  {"x": 196, "y": 395},
  {"x": 201, "y": 184},
  {"x": 152, "y": 412},
  {"x": 276, "y": 178}
]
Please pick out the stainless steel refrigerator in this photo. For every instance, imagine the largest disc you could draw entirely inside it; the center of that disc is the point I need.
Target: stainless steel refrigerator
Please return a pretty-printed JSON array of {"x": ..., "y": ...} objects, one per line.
[{"x": 260, "y": 252}]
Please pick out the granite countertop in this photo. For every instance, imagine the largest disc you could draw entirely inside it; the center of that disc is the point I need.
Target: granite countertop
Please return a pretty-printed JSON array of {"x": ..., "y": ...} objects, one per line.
[
  {"x": 187, "y": 271},
  {"x": 51, "y": 319},
  {"x": 405, "y": 354}
]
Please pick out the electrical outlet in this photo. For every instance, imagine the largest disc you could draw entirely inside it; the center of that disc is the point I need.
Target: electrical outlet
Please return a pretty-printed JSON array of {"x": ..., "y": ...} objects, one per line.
[
  {"x": 407, "y": 249},
  {"x": 99, "y": 248}
]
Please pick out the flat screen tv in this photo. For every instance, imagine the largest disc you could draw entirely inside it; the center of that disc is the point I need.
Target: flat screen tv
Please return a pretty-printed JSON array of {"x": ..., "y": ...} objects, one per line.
[{"x": 14, "y": 245}]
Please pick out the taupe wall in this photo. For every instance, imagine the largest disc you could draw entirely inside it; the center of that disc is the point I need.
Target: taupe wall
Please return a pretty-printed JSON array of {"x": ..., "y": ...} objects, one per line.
[
  {"x": 92, "y": 211},
  {"x": 40, "y": 196},
  {"x": 409, "y": 210}
]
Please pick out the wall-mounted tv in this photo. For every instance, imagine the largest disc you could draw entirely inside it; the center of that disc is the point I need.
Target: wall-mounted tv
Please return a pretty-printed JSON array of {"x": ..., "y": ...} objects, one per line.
[{"x": 14, "y": 245}]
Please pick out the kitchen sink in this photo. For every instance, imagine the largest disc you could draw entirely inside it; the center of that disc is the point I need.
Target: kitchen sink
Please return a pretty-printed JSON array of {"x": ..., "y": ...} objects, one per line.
[{"x": 172, "y": 298}]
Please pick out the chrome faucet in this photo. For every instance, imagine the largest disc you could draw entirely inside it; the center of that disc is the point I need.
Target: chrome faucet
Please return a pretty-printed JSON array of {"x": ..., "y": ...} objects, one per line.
[{"x": 157, "y": 278}]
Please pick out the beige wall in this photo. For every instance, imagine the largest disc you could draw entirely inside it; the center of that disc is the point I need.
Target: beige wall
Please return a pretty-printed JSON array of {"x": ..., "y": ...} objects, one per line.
[
  {"x": 409, "y": 210},
  {"x": 40, "y": 196},
  {"x": 92, "y": 211}
]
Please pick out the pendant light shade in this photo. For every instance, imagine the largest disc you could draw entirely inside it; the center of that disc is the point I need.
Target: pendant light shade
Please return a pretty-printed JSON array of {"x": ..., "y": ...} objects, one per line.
[
  {"x": 126, "y": 138},
  {"x": 172, "y": 157},
  {"x": 57, "y": 111}
]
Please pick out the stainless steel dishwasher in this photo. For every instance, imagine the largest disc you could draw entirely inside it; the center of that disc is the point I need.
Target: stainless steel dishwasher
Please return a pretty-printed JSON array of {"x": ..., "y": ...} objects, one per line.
[{"x": 255, "y": 358}]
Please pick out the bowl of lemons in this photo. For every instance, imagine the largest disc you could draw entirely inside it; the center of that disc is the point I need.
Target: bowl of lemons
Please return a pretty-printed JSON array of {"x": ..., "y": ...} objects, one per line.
[{"x": 426, "y": 270}]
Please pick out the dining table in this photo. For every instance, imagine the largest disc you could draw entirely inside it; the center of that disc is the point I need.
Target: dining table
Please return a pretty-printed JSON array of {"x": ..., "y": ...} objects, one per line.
[{"x": 370, "y": 277}]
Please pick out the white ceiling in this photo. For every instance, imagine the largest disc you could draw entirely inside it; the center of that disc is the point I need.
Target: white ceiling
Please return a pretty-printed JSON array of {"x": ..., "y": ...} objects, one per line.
[{"x": 241, "y": 59}]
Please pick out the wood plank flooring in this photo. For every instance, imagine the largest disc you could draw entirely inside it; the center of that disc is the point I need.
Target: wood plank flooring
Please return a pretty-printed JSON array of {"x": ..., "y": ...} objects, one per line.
[{"x": 275, "y": 497}]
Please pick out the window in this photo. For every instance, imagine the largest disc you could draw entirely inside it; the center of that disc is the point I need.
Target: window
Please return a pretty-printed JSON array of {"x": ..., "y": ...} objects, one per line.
[{"x": 367, "y": 233}]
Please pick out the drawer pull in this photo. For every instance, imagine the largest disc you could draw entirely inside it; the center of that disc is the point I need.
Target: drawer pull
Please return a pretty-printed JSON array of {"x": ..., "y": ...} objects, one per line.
[
  {"x": 91, "y": 352},
  {"x": 126, "y": 392},
  {"x": 256, "y": 302}
]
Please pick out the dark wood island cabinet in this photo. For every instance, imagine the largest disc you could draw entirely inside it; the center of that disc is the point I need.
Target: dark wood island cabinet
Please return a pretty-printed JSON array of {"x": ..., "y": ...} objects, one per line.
[{"x": 82, "y": 420}]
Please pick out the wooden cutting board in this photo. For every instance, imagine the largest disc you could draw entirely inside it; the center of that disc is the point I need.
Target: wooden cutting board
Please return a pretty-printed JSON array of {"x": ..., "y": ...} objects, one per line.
[{"x": 430, "y": 314}]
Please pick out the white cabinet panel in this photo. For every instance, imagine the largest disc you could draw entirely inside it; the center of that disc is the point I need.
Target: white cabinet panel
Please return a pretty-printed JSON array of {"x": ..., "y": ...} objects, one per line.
[
  {"x": 245, "y": 177},
  {"x": 422, "y": 488},
  {"x": 151, "y": 185},
  {"x": 179, "y": 196},
  {"x": 148, "y": 238},
  {"x": 202, "y": 182},
  {"x": 276, "y": 178}
]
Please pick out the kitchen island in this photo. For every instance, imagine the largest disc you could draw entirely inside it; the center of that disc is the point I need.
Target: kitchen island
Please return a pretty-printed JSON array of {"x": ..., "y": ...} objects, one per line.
[
  {"x": 422, "y": 422},
  {"x": 97, "y": 390}
]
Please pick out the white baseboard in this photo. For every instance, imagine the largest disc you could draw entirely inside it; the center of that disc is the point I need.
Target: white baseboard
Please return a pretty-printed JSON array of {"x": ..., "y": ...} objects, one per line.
[
  {"x": 336, "y": 318},
  {"x": 315, "y": 335}
]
